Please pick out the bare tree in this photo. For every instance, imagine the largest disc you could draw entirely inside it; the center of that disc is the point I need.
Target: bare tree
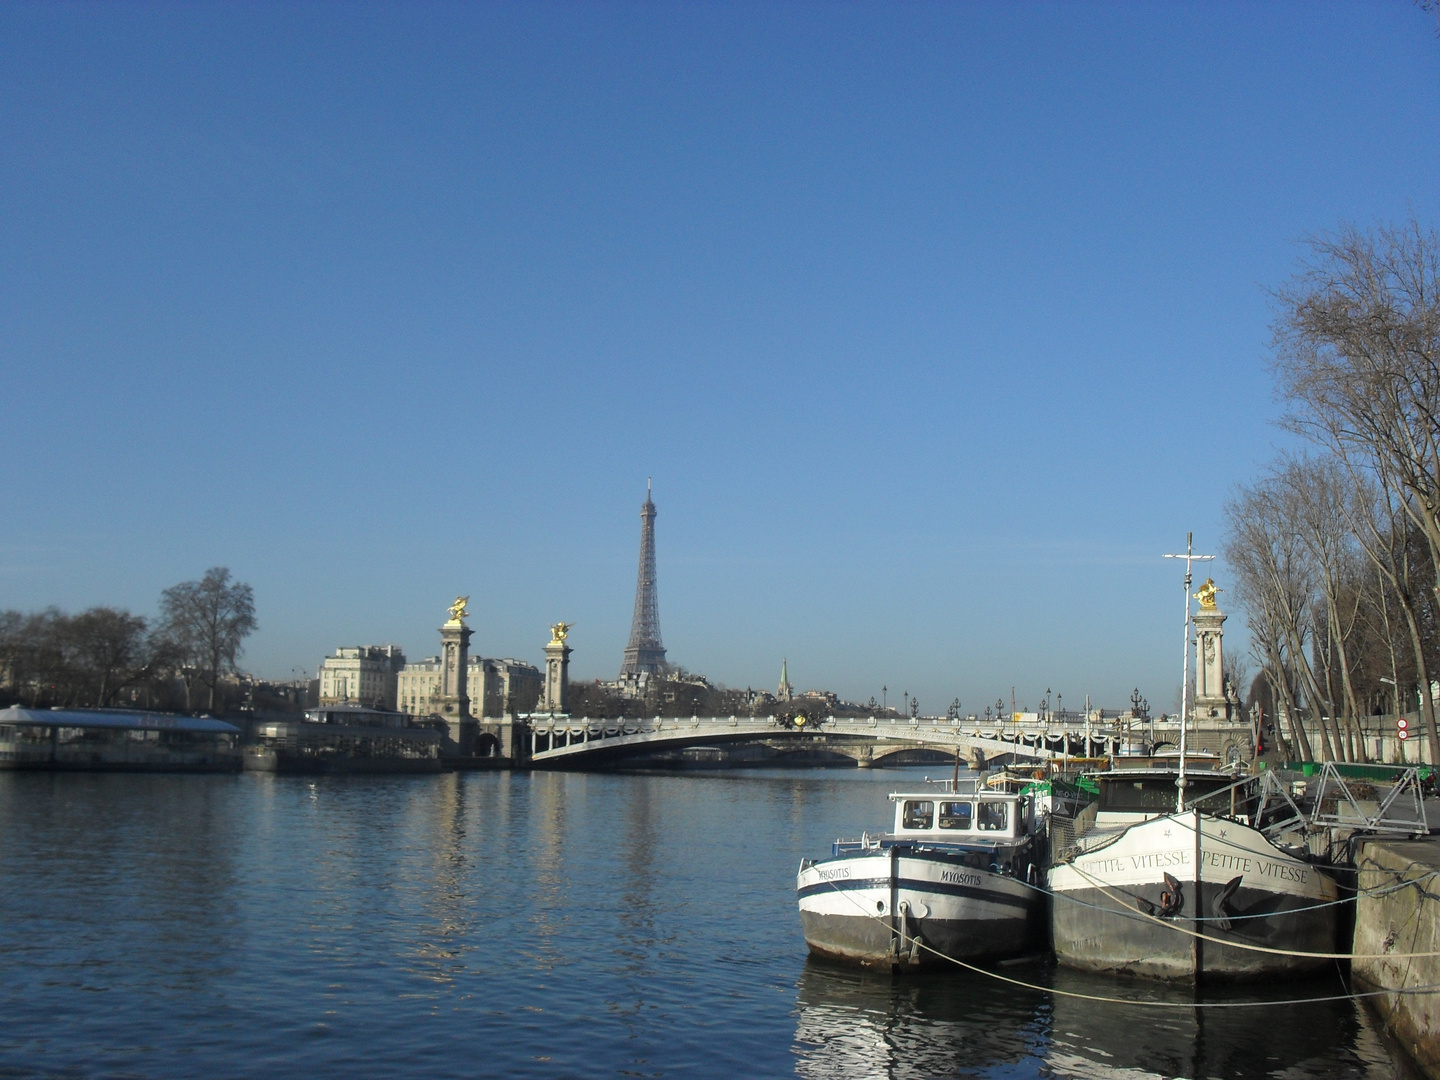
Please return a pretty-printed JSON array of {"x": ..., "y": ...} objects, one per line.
[
  {"x": 1317, "y": 491},
  {"x": 1357, "y": 352},
  {"x": 1385, "y": 533},
  {"x": 39, "y": 657},
  {"x": 51, "y": 658},
  {"x": 1275, "y": 583},
  {"x": 208, "y": 620},
  {"x": 112, "y": 651},
  {"x": 12, "y": 651}
]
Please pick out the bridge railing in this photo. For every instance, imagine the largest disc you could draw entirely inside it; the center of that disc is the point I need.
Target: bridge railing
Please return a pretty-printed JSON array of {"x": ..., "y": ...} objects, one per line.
[{"x": 551, "y": 733}]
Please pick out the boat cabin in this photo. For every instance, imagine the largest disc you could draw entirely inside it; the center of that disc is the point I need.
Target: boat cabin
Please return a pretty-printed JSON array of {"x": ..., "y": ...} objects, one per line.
[
  {"x": 355, "y": 716},
  {"x": 959, "y": 817},
  {"x": 1131, "y": 795}
]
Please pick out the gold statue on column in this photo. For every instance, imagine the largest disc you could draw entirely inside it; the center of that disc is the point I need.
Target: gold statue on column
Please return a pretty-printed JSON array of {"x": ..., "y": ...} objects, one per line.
[
  {"x": 1206, "y": 595},
  {"x": 459, "y": 609},
  {"x": 558, "y": 631}
]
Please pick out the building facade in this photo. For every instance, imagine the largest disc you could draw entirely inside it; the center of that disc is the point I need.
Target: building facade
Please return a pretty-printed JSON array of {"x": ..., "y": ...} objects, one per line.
[
  {"x": 510, "y": 686},
  {"x": 495, "y": 687},
  {"x": 362, "y": 675},
  {"x": 418, "y": 686}
]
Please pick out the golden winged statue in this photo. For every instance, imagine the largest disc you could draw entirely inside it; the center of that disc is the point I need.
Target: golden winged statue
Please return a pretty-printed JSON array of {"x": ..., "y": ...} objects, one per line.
[
  {"x": 1206, "y": 595},
  {"x": 459, "y": 609},
  {"x": 559, "y": 630}
]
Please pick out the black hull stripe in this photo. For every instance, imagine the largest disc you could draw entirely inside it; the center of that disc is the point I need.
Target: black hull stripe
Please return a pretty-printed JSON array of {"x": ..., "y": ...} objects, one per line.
[{"x": 947, "y": 888}]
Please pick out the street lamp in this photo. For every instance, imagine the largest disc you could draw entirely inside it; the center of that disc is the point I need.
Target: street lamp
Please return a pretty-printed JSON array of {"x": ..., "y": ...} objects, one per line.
[{"x": 1394, "y": 692}]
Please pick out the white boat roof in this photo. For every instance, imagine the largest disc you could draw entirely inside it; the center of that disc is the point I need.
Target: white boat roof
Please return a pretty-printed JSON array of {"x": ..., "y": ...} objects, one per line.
[
  {"x": 114, "y": 718},
  {"x": 1162, "y": 772},
  {"x": 952, "y": 796}
]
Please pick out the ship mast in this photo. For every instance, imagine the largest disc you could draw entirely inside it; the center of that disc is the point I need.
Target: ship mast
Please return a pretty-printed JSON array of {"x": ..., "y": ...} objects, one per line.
[{"x": 1189, "y": 557}]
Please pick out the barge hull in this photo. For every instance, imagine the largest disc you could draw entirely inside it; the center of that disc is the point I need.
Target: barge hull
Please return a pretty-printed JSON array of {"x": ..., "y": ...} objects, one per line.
[
  {"x": 1125, "y": 902},
  {"x": 1115, "y": 940},
  {"x": 870, "y": 909},
  {"x": 295, "y": 764},
  {"x": 861, "y": 939}
]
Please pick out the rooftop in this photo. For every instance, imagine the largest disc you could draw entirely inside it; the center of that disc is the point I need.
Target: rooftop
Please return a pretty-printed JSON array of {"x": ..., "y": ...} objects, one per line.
[{"x": 114, "y": 718}]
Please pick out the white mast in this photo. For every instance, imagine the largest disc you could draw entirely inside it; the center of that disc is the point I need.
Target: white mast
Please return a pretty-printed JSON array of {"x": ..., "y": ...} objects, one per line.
[{"x": 1189, "y": 557}]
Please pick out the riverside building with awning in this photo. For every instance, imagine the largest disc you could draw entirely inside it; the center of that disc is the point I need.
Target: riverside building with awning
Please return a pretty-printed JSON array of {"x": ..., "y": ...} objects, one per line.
[{"x": 115, "y": 740}]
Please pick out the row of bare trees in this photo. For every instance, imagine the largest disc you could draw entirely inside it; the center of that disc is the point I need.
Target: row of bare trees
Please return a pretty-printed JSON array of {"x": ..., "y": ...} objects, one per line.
[
  {"x": 106, "y": 656},
  {"x": 673, "y": 693},
  {"x": 1336, "y": 550}
]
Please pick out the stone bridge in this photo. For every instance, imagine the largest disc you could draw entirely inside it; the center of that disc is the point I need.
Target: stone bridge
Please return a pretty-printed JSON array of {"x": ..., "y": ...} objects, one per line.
[{"x": 559, "y": 741}]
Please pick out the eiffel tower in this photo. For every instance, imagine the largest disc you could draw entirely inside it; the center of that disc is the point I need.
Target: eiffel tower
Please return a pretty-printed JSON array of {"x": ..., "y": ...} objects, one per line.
[{"x": 646, "y": 652}]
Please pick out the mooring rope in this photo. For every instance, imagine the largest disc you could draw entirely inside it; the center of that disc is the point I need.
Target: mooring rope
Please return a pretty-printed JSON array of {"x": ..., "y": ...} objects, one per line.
[
  {"x": 1426, "y": 989},
  {"x": 1385, "y": 890},
  {"x": 1246, "y": 945}
]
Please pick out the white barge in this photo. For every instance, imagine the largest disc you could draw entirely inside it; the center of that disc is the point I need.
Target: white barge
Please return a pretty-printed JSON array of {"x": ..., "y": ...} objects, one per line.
[
  {"x": 955, "y": 878},
  {"x": 1155, "y": 891}
]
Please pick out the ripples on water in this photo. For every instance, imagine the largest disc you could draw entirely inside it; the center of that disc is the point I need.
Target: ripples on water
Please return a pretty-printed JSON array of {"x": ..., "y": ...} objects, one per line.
[{"x": 540, "y": 925}]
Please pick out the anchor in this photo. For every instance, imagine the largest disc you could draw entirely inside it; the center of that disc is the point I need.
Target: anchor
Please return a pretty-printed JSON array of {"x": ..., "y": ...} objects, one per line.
[
  {"x": 1172, "y": 899},
  {"x": 899, "y": 954},
  {"x": 1220, "y": 903}
]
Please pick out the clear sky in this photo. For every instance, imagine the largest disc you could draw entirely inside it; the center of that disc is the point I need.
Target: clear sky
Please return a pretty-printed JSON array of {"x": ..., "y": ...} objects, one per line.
[{"x": 936, "y": 325}]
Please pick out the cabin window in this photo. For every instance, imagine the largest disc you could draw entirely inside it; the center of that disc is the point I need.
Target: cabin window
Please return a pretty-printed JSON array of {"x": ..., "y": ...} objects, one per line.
[
  {"x": 994, "y": 816},
  {"x": 956, "y": 815},
  {"x": 1150, "y": 795},
  {"x": 918, "y": 815}
]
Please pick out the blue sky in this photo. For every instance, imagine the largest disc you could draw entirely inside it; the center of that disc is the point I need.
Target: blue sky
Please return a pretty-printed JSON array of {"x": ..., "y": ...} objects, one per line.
[{"x": 936, "y": 325}]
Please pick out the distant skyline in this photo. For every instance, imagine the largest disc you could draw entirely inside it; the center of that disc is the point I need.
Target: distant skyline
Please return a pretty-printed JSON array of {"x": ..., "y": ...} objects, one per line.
[{"x": 936, "y": 325}]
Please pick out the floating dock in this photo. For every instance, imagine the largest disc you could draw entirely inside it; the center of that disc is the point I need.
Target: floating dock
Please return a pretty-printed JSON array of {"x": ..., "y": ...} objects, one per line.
[{"x": 115, "y": 740}]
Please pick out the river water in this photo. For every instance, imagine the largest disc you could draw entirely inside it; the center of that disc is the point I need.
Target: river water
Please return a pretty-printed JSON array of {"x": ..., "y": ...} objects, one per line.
[{"x": 532, "y": 925}]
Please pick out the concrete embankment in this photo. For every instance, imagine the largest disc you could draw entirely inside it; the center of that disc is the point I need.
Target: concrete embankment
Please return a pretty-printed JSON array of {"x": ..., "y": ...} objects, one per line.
[{"x": 1395, "y": 920}]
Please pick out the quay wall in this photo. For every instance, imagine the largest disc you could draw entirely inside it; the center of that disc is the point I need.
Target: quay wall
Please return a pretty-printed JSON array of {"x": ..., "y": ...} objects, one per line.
[{"x": 1401, "y": 921}]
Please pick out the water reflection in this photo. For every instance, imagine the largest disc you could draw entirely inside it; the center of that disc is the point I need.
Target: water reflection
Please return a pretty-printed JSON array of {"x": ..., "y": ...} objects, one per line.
[
  {"x": 854, "y": 1024},
  {"x": 548, "y": 893},
  {"x": 159, "y": 864},
  {"x": 865, "y": 1024},
  {"x": 441, "y": 939},
  {"x": 1310, "y": 1039},
  {"x": 520, "y": 925}
]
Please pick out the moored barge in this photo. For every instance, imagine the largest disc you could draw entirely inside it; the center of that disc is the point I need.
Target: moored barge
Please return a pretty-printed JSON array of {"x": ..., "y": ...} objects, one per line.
[
  {"x": 1156, "y": 891},
  {"x": 954, "y": 879},
  {"x": 344, "y": 739}
]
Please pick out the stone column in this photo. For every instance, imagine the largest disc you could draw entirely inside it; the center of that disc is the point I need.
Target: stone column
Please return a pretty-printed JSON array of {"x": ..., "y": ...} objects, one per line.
[
  {"x": 454, "y": 668},
  {"x": 557, "y": 675},
  {"x": 1210, "y": 700}
]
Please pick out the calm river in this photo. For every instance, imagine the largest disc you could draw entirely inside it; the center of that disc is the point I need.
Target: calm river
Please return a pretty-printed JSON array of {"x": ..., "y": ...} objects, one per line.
[{"x": 543, "y": 925}]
